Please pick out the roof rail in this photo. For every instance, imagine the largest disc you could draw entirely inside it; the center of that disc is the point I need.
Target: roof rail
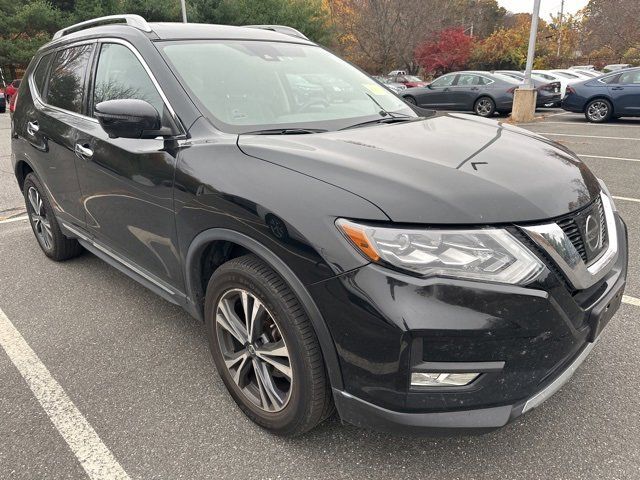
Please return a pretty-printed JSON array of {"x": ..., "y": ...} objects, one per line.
[
  {"x": 133, "y": 20},
  {"x": 281, "y": 29}
]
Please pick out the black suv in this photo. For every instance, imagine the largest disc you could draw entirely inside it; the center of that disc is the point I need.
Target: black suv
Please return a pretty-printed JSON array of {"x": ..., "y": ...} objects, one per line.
[{"x": 419, "y": 272}]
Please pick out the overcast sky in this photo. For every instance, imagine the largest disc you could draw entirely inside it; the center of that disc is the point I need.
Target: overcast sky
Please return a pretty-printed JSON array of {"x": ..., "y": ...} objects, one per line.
[{"x": 547, "y": 7}]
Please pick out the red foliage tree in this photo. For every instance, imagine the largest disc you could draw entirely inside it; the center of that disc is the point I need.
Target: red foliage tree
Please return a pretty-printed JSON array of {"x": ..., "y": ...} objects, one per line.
[{"x": 449, "y": 51}]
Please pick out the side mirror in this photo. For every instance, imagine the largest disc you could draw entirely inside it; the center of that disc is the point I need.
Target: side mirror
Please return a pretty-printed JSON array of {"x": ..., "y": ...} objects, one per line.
[{"x": 130, "y": 118}]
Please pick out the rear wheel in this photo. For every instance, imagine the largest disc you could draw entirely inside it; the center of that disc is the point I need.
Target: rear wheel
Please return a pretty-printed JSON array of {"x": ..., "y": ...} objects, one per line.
[
  {"x": 484, "y": 107},
  {"x": 44, "y": 224},
  {"x": 265, "y": 349},
  {"x": 599, "y": 110}
]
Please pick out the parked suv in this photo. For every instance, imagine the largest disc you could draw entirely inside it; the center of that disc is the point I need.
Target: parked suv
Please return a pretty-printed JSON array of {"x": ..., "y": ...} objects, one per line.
[{"x": 417, "y": 272}]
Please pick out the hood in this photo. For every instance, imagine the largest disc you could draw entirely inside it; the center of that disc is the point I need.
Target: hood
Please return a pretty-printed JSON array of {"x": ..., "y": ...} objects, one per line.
[{"x": 452, "y": 169}]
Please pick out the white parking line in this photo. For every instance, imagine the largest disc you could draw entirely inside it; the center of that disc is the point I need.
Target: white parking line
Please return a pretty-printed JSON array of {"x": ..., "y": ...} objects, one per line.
[
  {"x": 627, "y": 199},
  {"x": 610, "y": 158},
  {"x": 96, "y": 459},
  {"x": 587, "y": 136},
  {"x": 21, "y": 218},
  {"x": 583, "y": 124},
  {"x": 631, "y": 300}
]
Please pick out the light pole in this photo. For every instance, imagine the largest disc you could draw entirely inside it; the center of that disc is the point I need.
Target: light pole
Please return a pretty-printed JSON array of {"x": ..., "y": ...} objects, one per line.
[
  {"x": 524, "y": 98},
  {"x": 560, "y": 28},
  {"x": 184, "y": 11}
]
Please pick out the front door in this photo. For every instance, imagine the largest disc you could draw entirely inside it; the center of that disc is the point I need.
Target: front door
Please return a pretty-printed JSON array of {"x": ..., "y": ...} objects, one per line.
[{"x": 127, "y": 184}]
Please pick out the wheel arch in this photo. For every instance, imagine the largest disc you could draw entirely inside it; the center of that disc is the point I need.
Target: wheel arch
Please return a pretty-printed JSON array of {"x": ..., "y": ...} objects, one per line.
[
  {"x": 599, "y": 96},
  {"x": 195, "y": 291},
  {"x": 21, "y": 170}
]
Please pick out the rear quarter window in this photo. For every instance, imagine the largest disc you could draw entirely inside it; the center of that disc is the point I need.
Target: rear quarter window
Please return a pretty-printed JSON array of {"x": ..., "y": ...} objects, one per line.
[{"x": 40, "y": 73}]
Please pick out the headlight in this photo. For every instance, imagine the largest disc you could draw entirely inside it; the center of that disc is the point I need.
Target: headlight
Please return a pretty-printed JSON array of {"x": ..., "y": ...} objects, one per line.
[{"x": 490, "y": 254}]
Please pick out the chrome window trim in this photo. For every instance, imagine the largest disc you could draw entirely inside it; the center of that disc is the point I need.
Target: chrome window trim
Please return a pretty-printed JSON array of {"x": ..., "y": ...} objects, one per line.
[
  {"x": 552, "y": 239},
  {"x": 36, "y": 94}
]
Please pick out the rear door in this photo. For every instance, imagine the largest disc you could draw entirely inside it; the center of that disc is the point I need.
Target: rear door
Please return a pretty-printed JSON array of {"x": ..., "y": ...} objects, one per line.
[
  {"x": 127, "y": 184},
  {"x": 467, "y": 88},
  {"x": 52, "y": 125},
  {"x": 626, "y": 93}
]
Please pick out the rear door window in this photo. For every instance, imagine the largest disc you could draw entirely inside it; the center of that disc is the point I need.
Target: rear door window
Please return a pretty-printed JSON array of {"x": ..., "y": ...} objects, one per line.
[
  {"x": 630, "y": 78},
  {"x": 66, "y": 81}
]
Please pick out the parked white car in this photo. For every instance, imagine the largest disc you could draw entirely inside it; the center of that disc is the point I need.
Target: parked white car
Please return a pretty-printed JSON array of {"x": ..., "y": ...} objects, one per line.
[{"x": 564, "y": 80}]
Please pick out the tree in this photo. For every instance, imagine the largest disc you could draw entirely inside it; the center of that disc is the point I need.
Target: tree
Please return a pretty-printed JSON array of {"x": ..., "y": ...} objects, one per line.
[
  {"x": 614, "y": 26},
  {"x": 24, "y": 27},
  {"x": 448, "y": 52}
]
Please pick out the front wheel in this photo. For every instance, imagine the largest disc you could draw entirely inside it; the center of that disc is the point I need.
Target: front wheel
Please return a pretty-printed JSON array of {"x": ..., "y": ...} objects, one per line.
[
  {"x": 265, "y": 349},
  {"x": 410, "y": 100},
  {"x": 484, "y": 107},
  {"x": 598, "y": 111}
]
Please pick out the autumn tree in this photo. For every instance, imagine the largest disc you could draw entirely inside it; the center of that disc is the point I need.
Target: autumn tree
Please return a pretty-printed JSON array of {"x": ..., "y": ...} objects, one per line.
[
  {"x": 449, "y": 51},
  {"x": 612, "y": 26}
]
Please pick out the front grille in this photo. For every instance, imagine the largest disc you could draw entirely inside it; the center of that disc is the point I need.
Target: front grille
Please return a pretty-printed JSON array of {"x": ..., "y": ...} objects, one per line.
[
  {"x": 571, "y": 230},
  {"x": 574, "y": 227}
]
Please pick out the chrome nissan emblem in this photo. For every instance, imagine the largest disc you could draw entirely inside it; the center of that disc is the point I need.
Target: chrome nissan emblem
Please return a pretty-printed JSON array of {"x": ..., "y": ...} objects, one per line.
[{"x": 592, "y": 232}]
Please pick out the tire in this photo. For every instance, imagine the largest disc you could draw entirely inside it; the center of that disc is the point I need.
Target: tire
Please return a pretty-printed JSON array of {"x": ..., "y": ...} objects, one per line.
[
  {"x": 303, "y": 399},
  {"x": 44, "y": 224},
  {"x": 598, "y": 110},
  {"x": 3, "y": 110},
  {"x": 484, "y": 107},
  {"x": 410, "y": 100}
]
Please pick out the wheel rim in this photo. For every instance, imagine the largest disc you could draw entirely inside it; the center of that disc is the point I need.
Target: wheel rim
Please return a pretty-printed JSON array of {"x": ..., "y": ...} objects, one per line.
[
  {"x": 484, "y": 107},
  {"x": 39, "y": 220},
  {"x": 254, "y": 350},
  {"x": 598, "y": 111}
]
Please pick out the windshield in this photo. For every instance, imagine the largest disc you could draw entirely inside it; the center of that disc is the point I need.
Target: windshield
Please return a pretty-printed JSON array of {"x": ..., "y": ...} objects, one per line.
[
  {"x": 411, "y": 78},
  {"x": 244, "y": 86}
]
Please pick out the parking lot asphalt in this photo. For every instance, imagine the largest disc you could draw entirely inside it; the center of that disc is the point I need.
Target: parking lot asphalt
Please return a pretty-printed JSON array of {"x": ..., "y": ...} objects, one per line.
[{"x": 139, "y": 372}]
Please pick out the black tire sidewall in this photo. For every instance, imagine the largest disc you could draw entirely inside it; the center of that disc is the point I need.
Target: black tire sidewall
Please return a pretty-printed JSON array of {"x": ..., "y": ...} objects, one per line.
[
  {"x": 296, "y": 409},
  {"x": 410, "y": 100}
]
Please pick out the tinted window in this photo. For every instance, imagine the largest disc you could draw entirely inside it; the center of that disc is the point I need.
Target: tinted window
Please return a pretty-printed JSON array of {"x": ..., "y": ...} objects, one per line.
[
  {"x": 40, "y": 73},
  {"x": 630, "y": 77},
  {"x": 610, "y": 78},
  {"x": 66, "y": 81},
  {"x": 120, "y": 75},
  {"x": 466, "y": 79},
  {"x": 445, "y": 81}
]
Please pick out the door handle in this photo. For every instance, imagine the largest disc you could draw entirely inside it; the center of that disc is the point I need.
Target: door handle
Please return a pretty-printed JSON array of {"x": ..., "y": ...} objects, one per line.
[
  {"x": 617, "y": 88},
  {"x": 32, "y": 128},
  {"x": 83, "y": 152}
]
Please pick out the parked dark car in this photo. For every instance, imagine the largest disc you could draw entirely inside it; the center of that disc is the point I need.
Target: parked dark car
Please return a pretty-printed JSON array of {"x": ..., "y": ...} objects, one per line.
[
  {"x": 549, "y": 93},
  {"x": 611, "y": 96},
  {"x": 419, "y": 273},
  {"x": 3, "y": 103},
  {"x": 480, "y": 92}
]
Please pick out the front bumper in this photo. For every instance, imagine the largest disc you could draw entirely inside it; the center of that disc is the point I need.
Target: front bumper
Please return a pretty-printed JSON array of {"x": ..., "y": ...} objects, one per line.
[{"x": 386, "y": 324}]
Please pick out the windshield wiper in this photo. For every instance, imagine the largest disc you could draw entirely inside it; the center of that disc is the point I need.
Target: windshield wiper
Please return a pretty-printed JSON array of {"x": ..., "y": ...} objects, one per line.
[
  {"x": 384, "y": 112},
  {"x": 285, "y": 131},
  {"x": 384, "y": 120}
]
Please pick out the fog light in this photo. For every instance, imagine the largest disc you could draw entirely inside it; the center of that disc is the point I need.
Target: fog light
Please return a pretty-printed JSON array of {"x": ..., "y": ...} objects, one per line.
[{"x": 427, "y": 379}]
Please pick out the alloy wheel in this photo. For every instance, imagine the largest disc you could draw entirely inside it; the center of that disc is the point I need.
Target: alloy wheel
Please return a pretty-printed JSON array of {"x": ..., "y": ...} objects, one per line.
[
  {"x": 38, "y": 216},
  {"x": 254, "y": 350},
  {"x": 484, "y": 107},
  {"x": 598, "y": 111}
]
